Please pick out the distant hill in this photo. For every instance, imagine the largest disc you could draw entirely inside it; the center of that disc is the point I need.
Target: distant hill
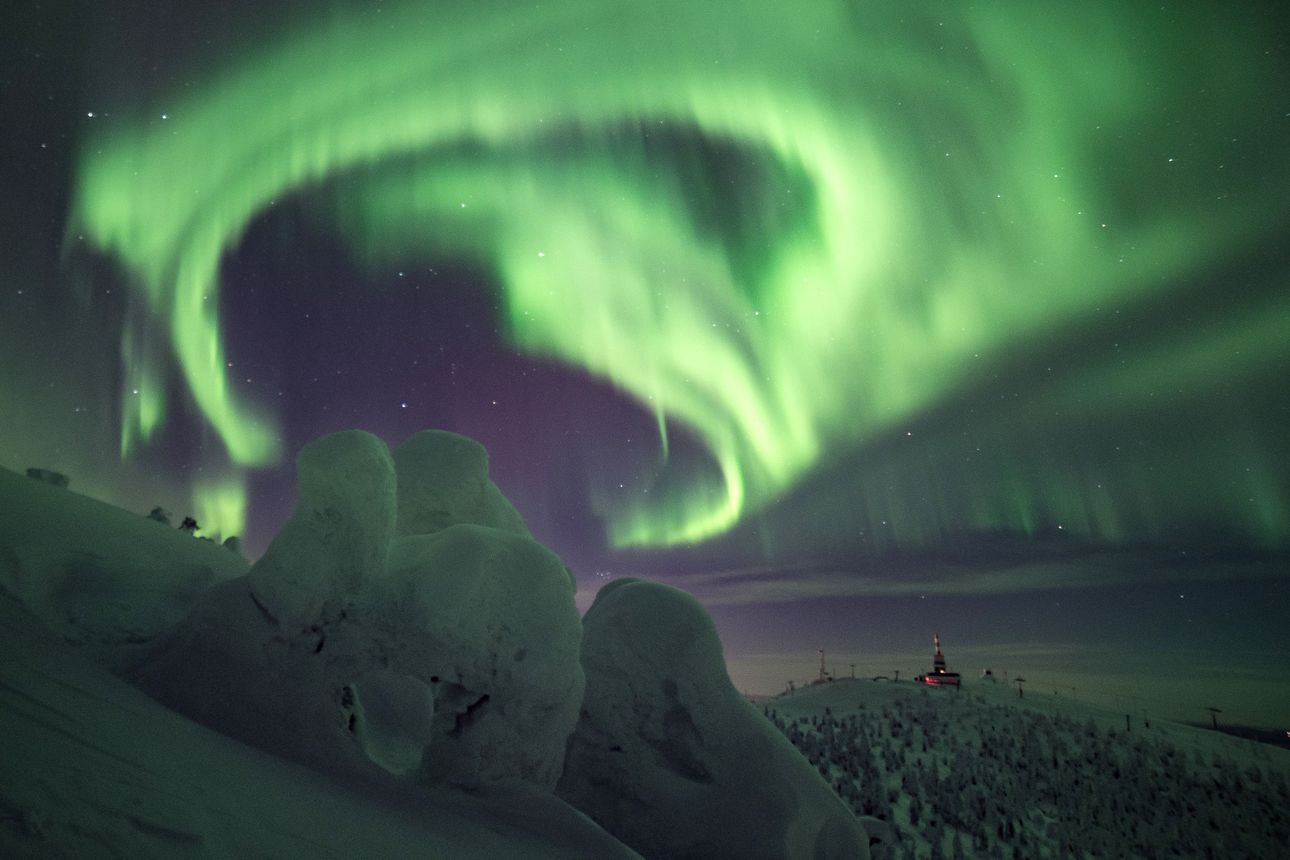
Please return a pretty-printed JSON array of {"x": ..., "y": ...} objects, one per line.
[{"x": 982, "y": 773}]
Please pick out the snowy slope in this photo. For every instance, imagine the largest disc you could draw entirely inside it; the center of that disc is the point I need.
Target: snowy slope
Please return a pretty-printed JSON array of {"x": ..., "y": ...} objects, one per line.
[
  {"x": 355, "y": 693},
  {"x": 93, "y": 768},
  {"x": 981, "y": 773},
  {"x": 98, "y": 574}
]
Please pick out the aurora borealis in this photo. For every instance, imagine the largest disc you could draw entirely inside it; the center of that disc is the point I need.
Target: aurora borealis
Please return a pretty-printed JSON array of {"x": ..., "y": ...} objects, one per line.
[
  {"x": 744, "y": 282},
  {"x": 790, "y": 234}
]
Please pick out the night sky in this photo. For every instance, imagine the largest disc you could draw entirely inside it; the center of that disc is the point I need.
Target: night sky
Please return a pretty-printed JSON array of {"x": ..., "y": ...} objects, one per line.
[{"x": 857, "y": 320}]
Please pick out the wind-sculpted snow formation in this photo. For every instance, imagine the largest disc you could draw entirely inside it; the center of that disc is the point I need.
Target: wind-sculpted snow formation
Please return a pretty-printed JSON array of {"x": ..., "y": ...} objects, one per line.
[
  {"x": 404, "y": 627},
  {"x": 448, "y": 654},
  {"x": 668, "y": 757},
  {"x": 490, "y": 616},
  {"x": 443, "y": 480},
  {"x": 337, "y": 540}
]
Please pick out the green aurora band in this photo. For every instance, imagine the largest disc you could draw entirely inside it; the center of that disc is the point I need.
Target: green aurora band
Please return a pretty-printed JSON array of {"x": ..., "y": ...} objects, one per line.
[{"x": 786, "y": 227}]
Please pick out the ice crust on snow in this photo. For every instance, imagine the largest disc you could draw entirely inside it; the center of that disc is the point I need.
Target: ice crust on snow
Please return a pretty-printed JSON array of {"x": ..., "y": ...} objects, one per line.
[{"x": 668, "y": 757}]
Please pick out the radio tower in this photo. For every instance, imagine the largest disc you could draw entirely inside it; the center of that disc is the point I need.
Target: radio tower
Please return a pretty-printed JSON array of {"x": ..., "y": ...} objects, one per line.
[
  {"x": 939, "y": 676},
  {"x": 824, "y": 675}
]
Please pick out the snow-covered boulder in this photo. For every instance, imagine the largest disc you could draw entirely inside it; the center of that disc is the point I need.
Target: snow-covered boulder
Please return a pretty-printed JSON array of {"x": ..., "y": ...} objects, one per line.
[
  {"x": 443, "y": 480},
  {"x": 668, "y": 757},
  {"x": 487, "y": 618},
  {"x": 338, "y": 536}
]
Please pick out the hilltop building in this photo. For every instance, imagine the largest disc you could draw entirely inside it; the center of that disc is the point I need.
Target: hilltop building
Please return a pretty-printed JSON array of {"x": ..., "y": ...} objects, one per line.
[
  {"x": 939, "y": 676},
  {"x": 825, "y": 675}
]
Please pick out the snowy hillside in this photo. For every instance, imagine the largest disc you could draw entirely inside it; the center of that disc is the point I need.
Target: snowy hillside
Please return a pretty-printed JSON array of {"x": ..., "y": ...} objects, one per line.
[
  {"x": 401, "y": 674},
  {"x": 96, "y": 574},
  {"x": 93, "y": 768},
  {"x": 981, "y": 773}
]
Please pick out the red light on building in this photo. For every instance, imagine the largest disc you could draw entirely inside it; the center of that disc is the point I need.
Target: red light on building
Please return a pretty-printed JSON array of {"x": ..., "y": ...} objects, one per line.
[{"x": 939, "y": 676}]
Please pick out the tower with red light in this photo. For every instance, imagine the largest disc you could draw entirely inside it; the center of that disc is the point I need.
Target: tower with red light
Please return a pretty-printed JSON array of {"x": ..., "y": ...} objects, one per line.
[{"x": 939, "y": 676}]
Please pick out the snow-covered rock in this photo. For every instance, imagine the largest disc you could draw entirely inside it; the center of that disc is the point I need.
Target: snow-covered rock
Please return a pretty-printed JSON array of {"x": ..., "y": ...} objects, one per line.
[
  {"x": 668, "y": 756},
  {"x": 487, "y": 617},
  {"x": 443, "y": 480},
  {"x": 338, "y": 536}
]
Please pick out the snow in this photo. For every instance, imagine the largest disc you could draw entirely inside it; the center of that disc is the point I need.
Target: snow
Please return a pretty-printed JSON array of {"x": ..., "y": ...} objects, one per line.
[
  {"x": 486, "y": 616},
  {"x": 443, "y": 480},
  {"x": 404, "y": 673},
  {"x": 93, "y": 768},
  {"x": 393, "y": 719},
  {"x": 667, "y": 755},
  {"x": 230, "y": 667},
  {"x": 449, "y": 658},
  {"x": 374, "y": 688},
  {"x": 339, "y": 535},
  {"x": 981, "y": 773},
  {"x": 98, "y": 575}
]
